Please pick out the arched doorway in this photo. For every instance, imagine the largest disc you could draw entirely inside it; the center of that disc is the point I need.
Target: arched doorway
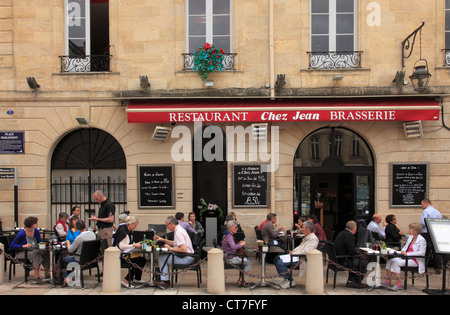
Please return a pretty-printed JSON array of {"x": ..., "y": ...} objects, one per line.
[
  {"x": 84, "y": 161},
  {"x": 333, "y": 177}
]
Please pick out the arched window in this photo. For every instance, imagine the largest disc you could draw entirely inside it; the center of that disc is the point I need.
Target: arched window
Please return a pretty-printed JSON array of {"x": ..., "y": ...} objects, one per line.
[{"x": 84, "y": 161}]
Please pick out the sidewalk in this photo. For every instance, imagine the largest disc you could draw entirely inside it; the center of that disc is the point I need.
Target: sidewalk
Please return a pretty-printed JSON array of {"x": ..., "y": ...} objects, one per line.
[{"x": 187, "y": 285}]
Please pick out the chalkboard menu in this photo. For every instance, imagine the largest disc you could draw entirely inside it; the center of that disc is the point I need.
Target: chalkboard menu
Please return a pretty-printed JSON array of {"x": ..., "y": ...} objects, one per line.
[
  {"x": 409, "y": 184},
  {"x": 155, "y": 186},
  {"x": 250, "y": 186}
]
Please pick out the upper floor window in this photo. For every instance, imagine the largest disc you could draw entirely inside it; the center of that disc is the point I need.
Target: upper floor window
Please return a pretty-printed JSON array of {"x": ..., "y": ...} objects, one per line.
[
  {"x": 333, "y": 29},
  {"x": 447, "y": 32},
  {"x": 208, "y": 21},
  {"x": 87, "y": 36}
]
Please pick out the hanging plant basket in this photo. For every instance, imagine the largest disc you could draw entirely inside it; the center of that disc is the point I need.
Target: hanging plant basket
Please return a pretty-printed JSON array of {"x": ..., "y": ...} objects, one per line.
[{"x": 208, "y": 59}]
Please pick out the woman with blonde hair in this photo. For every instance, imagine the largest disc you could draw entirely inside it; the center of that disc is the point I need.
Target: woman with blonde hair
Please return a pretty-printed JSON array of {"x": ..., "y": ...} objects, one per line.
[
  {"x": 415, "y": 246},
  {"x": 126, "y": 243}
]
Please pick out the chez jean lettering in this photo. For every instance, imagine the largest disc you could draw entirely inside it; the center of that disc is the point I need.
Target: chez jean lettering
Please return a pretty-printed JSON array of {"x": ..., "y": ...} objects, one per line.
[{"x": 349, "y": 115}]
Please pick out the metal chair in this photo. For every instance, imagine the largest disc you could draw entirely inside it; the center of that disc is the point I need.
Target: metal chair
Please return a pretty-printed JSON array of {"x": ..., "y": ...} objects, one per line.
[
  {"x": 90, "y": 250},
  {"x": 175, "y": 267},
  {"x": 412, "y": 269},
  {"x": 335, "y": 260}
]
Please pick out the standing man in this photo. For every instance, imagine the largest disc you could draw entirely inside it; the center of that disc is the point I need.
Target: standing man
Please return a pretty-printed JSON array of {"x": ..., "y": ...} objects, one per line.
[
  {"x": 374, "y": 226},
  {"x": 431, "y": 213},
  {"x": 105, "y": 218}
]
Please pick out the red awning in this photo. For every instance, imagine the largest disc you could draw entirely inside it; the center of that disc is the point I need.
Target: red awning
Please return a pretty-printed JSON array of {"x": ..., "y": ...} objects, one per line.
[{"x": 251, "y": 110}]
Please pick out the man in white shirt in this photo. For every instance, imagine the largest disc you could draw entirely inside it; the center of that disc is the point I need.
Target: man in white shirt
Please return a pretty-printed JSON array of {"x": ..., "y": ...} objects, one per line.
[
  {"x": 76, "y": 246},
  {"x": 429, "y": 212},
  {"x": 309, "y": 242},
  {"x": 181, "y": 244},
  {"x": 374, "y": 226}
]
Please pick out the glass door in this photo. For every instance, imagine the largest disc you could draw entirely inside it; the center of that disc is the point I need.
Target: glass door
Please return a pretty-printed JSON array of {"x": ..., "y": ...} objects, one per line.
[
  {"x": 303, "y": 195},
  {"x": 364, "y": 195}
]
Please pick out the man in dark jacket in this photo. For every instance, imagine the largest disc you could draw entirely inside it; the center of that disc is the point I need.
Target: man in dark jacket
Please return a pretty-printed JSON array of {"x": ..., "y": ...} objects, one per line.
[{"x": 345, "y": 245}]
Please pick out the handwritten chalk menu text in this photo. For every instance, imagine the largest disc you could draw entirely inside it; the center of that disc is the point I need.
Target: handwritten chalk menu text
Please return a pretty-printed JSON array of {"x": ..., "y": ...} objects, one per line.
[
  {"x": 155, "y": 184},
  {"x": 250, "y": 186},
  {"x": 409, "y": 184}
]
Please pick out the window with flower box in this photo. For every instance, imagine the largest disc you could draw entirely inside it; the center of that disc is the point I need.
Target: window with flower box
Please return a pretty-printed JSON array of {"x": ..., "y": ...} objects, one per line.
[{"x": 209, "y": 21}]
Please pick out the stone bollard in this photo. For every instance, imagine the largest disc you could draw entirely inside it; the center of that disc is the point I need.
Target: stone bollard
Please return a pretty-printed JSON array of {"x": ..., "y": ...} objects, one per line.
[
  {"x": 314, "y": 272},
  {"x": 216, "y": 272},
  {"x": 111, "y": 271},
  {"x": 2, "y": 262}
]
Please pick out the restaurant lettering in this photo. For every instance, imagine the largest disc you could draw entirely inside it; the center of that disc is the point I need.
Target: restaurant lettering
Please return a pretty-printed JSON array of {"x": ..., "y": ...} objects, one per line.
[{"x": 309, "y": 115}]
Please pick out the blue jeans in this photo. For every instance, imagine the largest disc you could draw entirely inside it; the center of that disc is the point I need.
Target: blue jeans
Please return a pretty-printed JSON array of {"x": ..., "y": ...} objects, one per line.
[
  {"x": 282, "y": 267},
  {"x": 66, "y": 261},
  {"x": 178, "y": 260}
]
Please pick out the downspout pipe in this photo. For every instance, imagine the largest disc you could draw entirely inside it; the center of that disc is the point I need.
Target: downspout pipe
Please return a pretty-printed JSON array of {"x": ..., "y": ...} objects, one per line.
[{"x": 271, "y": 52}]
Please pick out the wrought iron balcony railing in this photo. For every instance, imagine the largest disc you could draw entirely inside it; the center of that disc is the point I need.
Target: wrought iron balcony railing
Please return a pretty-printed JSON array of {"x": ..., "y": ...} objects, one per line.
[
  {"x": 228, "y": 61},
  {"x": 92, "y": 63},
  {"x": 334, "y": 59}
]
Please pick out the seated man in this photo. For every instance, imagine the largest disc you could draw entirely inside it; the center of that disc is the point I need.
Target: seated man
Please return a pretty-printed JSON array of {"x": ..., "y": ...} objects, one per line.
[
  {"x": 76, "y": 247},
  {"x": 374, "y": 226},
  {"x": 268, "y": 232},
  {"x": 309, "y": 242},
  {"x": 181, "y": 244},
  {"x": 345, "y": 245}
]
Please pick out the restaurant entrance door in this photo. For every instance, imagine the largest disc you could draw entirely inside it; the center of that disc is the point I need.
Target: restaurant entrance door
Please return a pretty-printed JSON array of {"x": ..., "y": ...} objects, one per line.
[
  {"x": 333, "y": 178},
  {"x": 210, "y": 171}
]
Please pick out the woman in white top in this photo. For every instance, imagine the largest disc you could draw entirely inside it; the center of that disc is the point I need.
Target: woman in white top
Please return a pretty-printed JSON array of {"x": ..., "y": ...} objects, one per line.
[
  {"x": 125, "y": 243},
  {"x": 415, "y": 246}
]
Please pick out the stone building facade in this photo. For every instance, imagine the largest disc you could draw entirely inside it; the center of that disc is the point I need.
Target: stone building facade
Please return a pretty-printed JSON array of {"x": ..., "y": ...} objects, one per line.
[{"x": 265, "y": 38}]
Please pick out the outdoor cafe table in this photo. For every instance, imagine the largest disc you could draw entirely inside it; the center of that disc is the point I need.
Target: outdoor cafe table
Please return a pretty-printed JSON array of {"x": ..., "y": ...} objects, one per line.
[
  {"x": 52, "y": 250},
  {"x": 263, "y": 282},
  {"x": 390, "y": 253},
  {"x": 151, "y": 253},
  {"x": 290, "y": 238}
]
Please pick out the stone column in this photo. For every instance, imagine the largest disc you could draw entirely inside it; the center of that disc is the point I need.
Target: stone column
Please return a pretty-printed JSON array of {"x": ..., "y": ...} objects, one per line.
[
  {"x": 216, "y": 272},
  {"x": 314, "y": 272},
  {"x": 111, "y": 271}
]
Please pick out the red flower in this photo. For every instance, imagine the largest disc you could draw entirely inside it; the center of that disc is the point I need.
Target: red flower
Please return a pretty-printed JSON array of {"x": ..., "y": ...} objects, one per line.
[
  {"x": 221, "y": 51},
  {"x": 207, "y": 46}
]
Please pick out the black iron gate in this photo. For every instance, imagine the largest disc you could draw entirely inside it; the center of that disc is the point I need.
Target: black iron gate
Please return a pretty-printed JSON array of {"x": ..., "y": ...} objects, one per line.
[{"x": 69, "y": 192}]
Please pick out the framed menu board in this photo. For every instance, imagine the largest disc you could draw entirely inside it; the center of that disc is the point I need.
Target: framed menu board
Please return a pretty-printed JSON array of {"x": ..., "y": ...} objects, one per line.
[
  {"x": 439, "y": 230},
  {"x": 251, "y": 186},
  {"x": 409, "y": 184},
  {"x": 155, "y": 186}
]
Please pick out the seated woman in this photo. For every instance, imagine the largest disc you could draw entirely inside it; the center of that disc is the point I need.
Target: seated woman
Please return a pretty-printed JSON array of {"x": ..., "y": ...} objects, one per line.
[
  {"x": 231, "y": 248},
  {"x": 125, "y": 243},
  {"x": 393, "y": 233},
  {"x": 415, "y": 246},
  {"x": 72, "y": 232},
  {"x": 24, "y": 239},
  {"x": 196, "y": 225},
  {"x": 318, "y": 229},
  {"x": 62, "y": 227}
]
